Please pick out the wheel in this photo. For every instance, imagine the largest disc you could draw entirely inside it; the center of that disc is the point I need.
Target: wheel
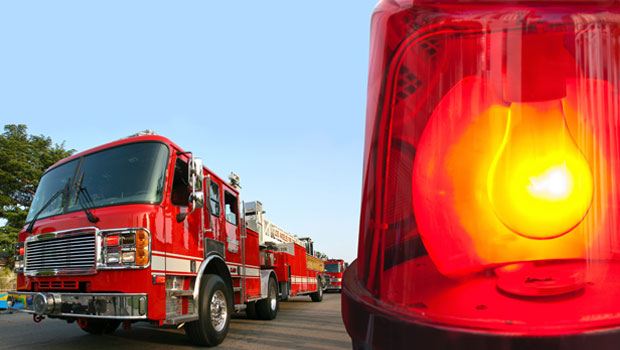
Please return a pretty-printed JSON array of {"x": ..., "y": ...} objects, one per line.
[
  {"x": 98, "y": 326},
  {"x": 250, "y": 310},
  {"x": 267, "y": 309},
  {"x": 318, "y": 295},
  {"x": 214, "y": 311}
]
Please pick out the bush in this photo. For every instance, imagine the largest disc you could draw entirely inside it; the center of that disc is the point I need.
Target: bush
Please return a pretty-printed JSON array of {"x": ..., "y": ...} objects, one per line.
[{"x": 7, "y": 279}]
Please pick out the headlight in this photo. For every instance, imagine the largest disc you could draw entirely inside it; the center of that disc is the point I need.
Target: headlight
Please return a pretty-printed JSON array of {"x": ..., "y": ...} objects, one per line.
[{"x": 125, "y": 249}]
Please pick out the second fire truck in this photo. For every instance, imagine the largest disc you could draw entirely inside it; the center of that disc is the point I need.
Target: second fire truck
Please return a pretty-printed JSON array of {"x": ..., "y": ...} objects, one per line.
[{"x": 334, "y": 268}]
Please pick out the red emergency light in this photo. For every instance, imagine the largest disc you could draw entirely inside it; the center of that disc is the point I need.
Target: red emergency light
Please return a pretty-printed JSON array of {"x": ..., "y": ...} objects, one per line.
[{"x": 491, "y": 202}]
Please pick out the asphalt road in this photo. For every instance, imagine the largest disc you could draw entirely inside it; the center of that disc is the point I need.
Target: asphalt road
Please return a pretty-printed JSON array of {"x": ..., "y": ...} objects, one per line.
[{"x": 301, "y": 324}]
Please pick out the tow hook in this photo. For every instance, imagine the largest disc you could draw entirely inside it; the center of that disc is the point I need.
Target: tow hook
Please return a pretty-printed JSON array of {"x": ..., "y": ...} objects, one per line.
[{"x": 38, "y": 318}]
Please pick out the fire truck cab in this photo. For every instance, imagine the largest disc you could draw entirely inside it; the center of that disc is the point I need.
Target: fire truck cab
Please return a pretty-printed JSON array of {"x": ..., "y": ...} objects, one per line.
[{"x": 139, "y": 230}]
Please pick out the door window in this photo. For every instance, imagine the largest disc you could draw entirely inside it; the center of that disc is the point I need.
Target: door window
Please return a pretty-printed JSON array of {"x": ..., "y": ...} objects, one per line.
[
  {"x": 232, "y": 210},
  {"x": 180, "y": 184}
]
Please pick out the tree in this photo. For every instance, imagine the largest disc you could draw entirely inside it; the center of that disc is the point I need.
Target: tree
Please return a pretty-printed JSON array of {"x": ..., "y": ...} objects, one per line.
[
  {"x": 23, "y": 159},
  {"x": 320, "y": 255}
]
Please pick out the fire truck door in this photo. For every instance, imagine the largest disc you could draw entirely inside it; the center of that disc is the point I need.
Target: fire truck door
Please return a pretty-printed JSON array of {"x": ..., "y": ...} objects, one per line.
[
  {"x": 231, "y": 210},
  {"x": 185, "y": 230}
]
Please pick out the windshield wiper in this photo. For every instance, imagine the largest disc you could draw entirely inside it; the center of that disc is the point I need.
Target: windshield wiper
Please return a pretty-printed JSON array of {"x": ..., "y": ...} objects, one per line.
[
  {"x": 88, "y": 205},
  {"x": 47, "y": 204}
]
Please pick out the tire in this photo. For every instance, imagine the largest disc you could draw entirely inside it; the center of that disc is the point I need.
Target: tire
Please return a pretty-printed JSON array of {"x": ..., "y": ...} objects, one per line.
[
  {"x": 250, "y": 310},
  {"x": 267, "y": 309},
  {"x": 214, "y": 312},
  {"x": 317, "y": 296},
  {"x": 98, "y": 326}
]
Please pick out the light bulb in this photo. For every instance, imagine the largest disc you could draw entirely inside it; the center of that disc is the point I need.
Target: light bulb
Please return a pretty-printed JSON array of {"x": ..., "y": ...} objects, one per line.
[{"x": 539, "y": 183}]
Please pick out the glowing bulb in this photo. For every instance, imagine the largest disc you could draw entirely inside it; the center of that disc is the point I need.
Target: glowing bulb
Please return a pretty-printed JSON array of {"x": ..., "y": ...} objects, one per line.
[
  {"x": 539, "y": 183},
  {"x": 555, "y": 184}
]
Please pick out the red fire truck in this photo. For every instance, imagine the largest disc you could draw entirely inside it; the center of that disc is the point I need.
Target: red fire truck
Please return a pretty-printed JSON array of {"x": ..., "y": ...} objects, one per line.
[
  {"x": 298, "y": 271},
  {"x": 139, "y": 230},
  {"x": 334, "y": 268}
]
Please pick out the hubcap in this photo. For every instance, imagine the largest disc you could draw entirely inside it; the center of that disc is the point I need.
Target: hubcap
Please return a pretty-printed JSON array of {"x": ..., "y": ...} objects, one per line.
[{"x": 219, "y": 310}]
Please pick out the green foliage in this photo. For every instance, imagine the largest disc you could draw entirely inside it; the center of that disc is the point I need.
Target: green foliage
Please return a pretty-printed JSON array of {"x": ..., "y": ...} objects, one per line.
[
  {"x": 23, "y": 159},
  {"x": 320, "y": 255}
]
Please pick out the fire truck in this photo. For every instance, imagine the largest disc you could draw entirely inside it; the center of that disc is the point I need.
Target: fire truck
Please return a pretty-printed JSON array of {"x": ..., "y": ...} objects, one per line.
[
  {"x": 334, "y": 268},
  {"x": 298, "y": 271},
  {"x": 139, "y": 230}
]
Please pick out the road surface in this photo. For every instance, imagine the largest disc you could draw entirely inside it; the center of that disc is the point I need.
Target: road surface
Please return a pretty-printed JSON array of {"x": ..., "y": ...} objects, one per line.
[{"x": 301, "y": 324}]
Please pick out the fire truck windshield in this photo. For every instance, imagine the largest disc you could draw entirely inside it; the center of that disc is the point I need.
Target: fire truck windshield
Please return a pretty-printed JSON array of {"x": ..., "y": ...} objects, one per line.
[
  {"x": 132, "y": 173},
  {"x": 332, "y": 268}
]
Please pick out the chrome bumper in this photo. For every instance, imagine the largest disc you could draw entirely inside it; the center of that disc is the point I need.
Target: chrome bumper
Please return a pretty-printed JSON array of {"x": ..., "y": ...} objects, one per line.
[{"x": 91, "y": 305}]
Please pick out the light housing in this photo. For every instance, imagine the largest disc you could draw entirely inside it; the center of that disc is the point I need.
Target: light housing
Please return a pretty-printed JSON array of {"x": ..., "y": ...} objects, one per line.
[
  {"x": 124, "y": 249},
  {"x": 19, "y": 258},
  {"x": 491, "y": 202}
]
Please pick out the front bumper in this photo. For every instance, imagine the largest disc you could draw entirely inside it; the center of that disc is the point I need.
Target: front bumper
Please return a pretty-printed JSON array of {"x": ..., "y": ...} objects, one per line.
[
  {"x": 119, "y": 306},
  {"x": 334, "y": 284}
]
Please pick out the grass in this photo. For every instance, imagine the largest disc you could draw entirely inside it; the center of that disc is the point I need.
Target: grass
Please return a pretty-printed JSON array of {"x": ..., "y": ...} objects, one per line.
[{"x": 7, "y": 279}]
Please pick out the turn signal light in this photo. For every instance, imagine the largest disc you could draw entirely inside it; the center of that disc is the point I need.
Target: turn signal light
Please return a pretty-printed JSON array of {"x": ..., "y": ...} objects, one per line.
[
  {"x": 142, "y": 257},
  {"x": 142, "y": 248},
  {"x": 142, "y": 239}
]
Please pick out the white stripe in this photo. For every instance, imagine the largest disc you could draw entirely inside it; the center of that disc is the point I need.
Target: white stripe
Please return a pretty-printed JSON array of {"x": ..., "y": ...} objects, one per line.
[
  {"x": 190, "y": 257},
  {"x": 249, "y": 271},
  {"x": 177, "y": 265},
  {"x": 237, "y": 264},
  {"x": 303, "y": 279},
  {"x": 252, "y": 272},
  {"x": 158, "y": 263}
]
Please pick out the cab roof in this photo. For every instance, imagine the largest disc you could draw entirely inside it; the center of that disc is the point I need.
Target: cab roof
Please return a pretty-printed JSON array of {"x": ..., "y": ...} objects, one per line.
[{"x": 134, "y": 139}]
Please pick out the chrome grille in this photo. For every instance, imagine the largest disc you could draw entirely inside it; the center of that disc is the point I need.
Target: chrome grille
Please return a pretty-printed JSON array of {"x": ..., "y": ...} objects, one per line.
[{"x": 62, "y": 253}]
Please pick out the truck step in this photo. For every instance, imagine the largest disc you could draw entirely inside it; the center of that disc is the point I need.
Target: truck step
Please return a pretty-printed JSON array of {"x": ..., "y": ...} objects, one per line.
[
  {"x": 237, "y": 289},
  {"x": 173, "y": 321}
]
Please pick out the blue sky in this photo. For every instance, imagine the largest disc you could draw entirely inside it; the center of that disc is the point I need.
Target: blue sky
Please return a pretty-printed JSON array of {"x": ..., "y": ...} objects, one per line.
[{"x": 273, "y": 90}]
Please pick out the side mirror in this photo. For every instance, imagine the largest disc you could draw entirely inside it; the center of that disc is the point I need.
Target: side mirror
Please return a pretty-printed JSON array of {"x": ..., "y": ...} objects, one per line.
[
  {"x": 195, "y": 179},
  {"x": 196, "y": 174},
  {"x": 196, "y": 200}
]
